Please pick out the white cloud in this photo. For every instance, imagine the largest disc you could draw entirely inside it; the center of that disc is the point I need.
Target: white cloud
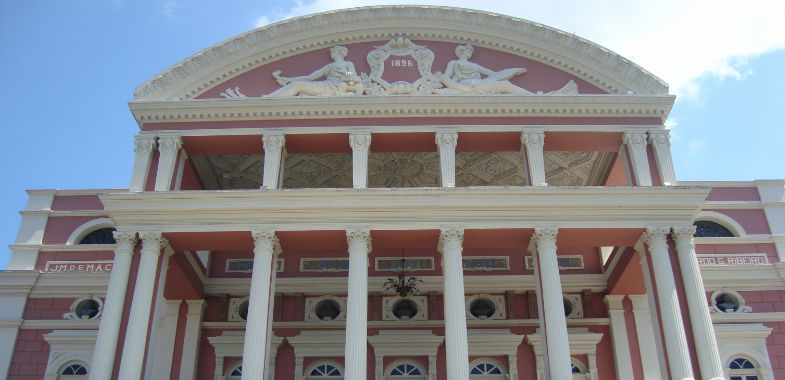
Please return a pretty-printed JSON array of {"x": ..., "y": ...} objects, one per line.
[
  {"x": 678, "y": 40},
  {"x": 262, "y": 21}
]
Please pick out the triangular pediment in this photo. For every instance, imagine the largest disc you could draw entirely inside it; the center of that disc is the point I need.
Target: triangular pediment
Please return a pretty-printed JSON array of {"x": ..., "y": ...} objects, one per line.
[{"x": 414, "y": 45}]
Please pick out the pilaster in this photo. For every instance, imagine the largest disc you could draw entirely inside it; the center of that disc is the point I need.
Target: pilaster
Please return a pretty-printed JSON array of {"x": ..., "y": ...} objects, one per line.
[
  {"x": 661, "y": 146},
  {"x": 265, "y": 247},
  {"x": 700, "y": 320},
  {"x": 456, "y": 340},
  {"x": 447, "y": 141},
  {"x": 109, "y": 328},
  {"x": 143, "y": 155},
  {"x": 168, "y": 148},
  {"x": 191, "y": 339},
  {"x": 361, "y": 144},
  {"x": 533, "y": 142},
  {"x": 676, "y": 347},
  {"x": 621, "y": 343},
  {"x": 24, "y": 253},
  {"x": 356, "y": 348},
  {"x": 274, "y": 147},
  {"x": 646, "y": 341},
  {"x": 139, "y": 316},
  {"x": 636, "y": 147},
  {"x": 772, "y": 197},
  {"x": 556, "y": 340}
]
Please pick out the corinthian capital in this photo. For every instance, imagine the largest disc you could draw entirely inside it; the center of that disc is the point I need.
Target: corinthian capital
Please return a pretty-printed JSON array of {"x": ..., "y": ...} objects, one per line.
[
  {"x": 169, "y": 145},
  {"x": 655, "y": 235},
  {"x": 152, "y": 241},
  {"x": 360, "y": 141},
  {"x": 450, "y": 238},
  {"x": 683, "y": 234},
  {"x": 273, "y": 142},
  {"x": 144, "y": 145},
  {"x": 659, "y": 137},
  {"x": 265, "y": 239},
  {"x": 446, "y": 140},
  {"x": 124, "y": 239},
  {"x": 545, "y": 235},
  {"x": 533, "y": 139},
  {"x": 635, "y": 139},
  {"x": 359, "y": 238}
]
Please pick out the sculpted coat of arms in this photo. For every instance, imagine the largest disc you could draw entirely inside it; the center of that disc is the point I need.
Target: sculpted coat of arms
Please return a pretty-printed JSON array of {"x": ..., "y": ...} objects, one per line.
[{"x": 461, "y": 76}]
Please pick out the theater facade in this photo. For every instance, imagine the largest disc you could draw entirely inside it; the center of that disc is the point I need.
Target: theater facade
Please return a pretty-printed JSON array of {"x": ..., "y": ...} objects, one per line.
[{"x": 400, "y": 193}]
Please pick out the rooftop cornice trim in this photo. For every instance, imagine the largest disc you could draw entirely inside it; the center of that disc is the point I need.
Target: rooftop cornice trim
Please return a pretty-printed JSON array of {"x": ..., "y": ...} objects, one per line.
[
  {"x": 582, "y": 58},
  {"x": 404, "y": 209},
  {"x": 402, "y": 106}
]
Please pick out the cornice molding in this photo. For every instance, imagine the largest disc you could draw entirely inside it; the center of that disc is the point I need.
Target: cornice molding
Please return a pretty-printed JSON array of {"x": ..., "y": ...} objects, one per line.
[
  {"x": 65, "y": 247},
  {"x": 742, "y": 278},
  {"x": 200, "y": 110},
  {"x": 747, "y": 317},
  {"x": 584, "y": 59},
  {"x": 64, "y": 324},
  {"x": 409, "y": 323},
  {"x": 70, "y": 285},
  {"x": 404, "y": 208}
]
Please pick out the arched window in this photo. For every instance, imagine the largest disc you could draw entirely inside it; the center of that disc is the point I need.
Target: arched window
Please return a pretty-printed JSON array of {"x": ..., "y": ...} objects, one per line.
[
  {"x": 578, "y": 370},
  {"x": 324, "y": 369},
  {"x": 711, "y": 229},
  {"x": 234, "y": 372},
  {"x": 73, "y": 371},
  {"x": 487, "y": 369},
  {"x": 99, "y": 236},
  {"x": 405, "y": 369},
  {"x": 742, "y": 369}
]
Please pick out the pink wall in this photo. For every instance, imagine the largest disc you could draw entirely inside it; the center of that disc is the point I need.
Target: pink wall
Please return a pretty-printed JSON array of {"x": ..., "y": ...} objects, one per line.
[
  {"x": 31, "y": 353},
  {"x": 775, "y": 344},
  {"x": 59, "y": 228},
  {"x": 76, "y": 202},
  {"x": 764, "y": 301},
  {"x": 47, "y": 308},
  {"x": 753, "y": 221},
  {"x": 734, "y": 194}
]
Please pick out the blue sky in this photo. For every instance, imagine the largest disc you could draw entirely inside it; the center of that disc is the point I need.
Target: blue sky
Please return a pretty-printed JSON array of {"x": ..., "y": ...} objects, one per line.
[{"x": 68, "y": 69}]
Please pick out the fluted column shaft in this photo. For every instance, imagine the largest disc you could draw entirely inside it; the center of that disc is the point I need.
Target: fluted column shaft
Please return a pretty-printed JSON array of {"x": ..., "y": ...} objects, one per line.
[
  {"x": 254, "y": 348},
  {"x": 636, "y": 147},
  {"x": 556, "y": 340},
  {"x": 646, "y": 341},
  {"x": 191, "y": 340},
  {"x": 533, "y": 142},
  {"x": 273, "y": 150},
  {"x": 139, "y": 317},
  {"x": 700, "y": 320},
  {"x": 168, "y": 147},
  {"x": 670, "y": 313},
  {"x": 361, "y": 144},
  {"x": 356, "y": 348},
  {"x": 456, "y": 341},
  {"x": 447, "y": 142},
  {"x": 661, "y": 146},
  {"x": 621, "y": 344},
  {"x": 143, "y": 155},
  {"x": 109, "y": 329}
]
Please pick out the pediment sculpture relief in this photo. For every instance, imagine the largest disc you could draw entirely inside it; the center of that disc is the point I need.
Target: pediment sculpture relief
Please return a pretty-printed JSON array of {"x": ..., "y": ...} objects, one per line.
[{"x": 461, "y": 76}]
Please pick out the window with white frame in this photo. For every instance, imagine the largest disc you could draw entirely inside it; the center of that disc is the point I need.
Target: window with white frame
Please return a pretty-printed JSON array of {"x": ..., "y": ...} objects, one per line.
[
  {"x": 73, "y": 371},
  {"x": 405, "y": 369},
  {"x": 578, "y": 369},
  {"x": 324, "y": 369},
  {"x": 486, "y": 369},
  {"x": 741, "y": 368},
  {"x": 234, "y": 371}
]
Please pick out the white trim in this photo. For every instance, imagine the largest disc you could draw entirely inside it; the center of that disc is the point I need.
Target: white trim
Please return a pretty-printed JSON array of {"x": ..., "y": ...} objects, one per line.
[
  {"x": 312, "y": 302},
  {"x": 234, "y": 309},
  {"x": 80, "y": 232},
  {"x": 68, "y": 346},
  {"x": 496, "y": 299},
  {"x": 498, "y": 364},
  {"x": 312, "y": 366},
  {"x": 576, "y": 301},
  {"x": 71, "y": 314},
  {"x": 747, "y": 341},
  {"x": 420, "y": 301},
  {"x": 741, "y": 306},
  {"x": 411, "y": 362},
  {"x": 723, "y": 220}
]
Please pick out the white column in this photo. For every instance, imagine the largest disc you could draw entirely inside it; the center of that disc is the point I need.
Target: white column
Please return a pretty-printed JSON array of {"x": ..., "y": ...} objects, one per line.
[
  {"x": 357, "y": 305},
  {"x": 447, "y": 142},
  {"x": 254, "y": 347},
  {"x": 273, "y": 152},
  {"x": 191, "y": 341},
  {"x": 361, "y": 144},
  {"x": 636, "y": 147},
  {"x": 670, "y": 312},
  {"x": 646, "y": 340},
  {"x": 456, "y": 341},
  {"x": 168, "y": 147},
  {"x": 143, "y": 149},
  {"x": 102, "y": 362},
  {"x": 621, "y": 344},
  {"x": 533, "y": 142},
  {"x": 556, "y": 340},
  {"x": 139, "y": 317},
  {"x": 661, "y": 145},
  {"x": 700, "y": 320}
]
